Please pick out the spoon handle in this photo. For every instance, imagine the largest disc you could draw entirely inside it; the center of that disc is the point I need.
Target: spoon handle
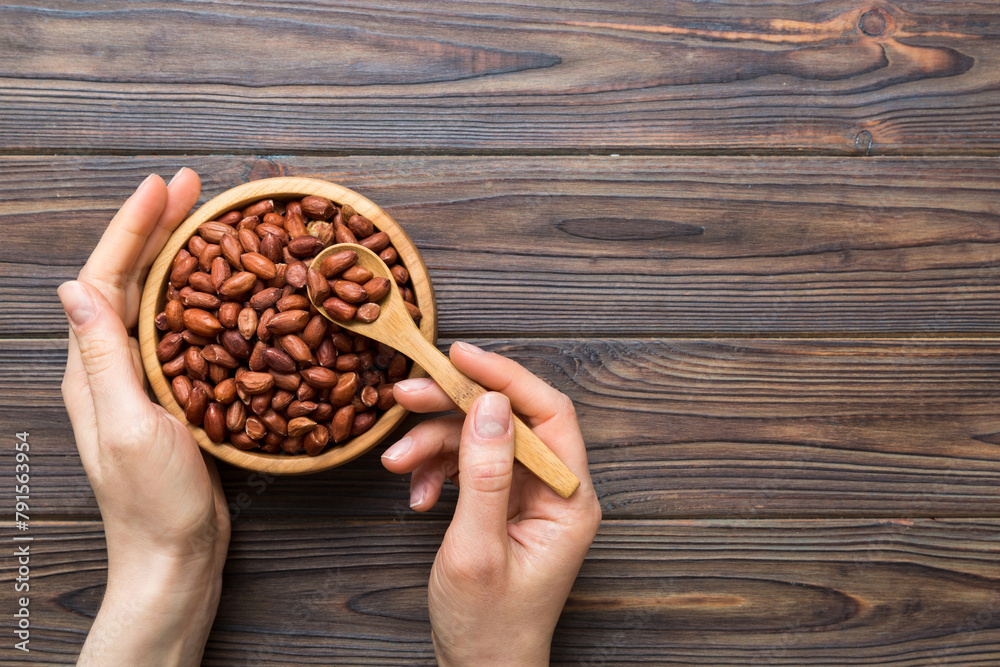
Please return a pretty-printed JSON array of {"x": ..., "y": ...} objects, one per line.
[{"x": 528, "y": 449}]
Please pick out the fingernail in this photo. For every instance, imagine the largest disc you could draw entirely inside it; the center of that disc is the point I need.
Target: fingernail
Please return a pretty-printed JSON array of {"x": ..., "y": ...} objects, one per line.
[
  {"x": 417, "y": 495},
  {"x": 175, "y": 176},
  {"x": 492, "y": 415},
  {"x": 472, "y": 349},
  {"x": 146, "y": 180},
  {"x": 415, "y": 384},
  {"x": 396, "y": 452},
  {"x": 76, "y": 302}
]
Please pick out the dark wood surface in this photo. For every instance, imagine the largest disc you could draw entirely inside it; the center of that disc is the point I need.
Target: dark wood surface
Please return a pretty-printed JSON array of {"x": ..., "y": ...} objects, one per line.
[
  {"x": 671, "y": 246},
  {"x": 306, "y": 78},
  {"x": 674, "y": 428},
  {"x": 723, "y": 592},
  {"x": 756, "y": 243}
]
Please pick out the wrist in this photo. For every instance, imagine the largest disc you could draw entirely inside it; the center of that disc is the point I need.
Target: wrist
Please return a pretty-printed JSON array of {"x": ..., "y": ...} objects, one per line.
[
  {"x": 504, "y": 651},
  {"x": 157, "y": 612}
]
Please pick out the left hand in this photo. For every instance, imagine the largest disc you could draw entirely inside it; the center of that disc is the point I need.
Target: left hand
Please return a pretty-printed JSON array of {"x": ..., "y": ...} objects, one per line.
[{"x": 164, "y": 511}]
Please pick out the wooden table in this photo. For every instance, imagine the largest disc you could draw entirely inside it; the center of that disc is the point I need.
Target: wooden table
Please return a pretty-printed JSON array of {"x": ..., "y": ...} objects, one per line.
[{"x": 758, "y": 244}]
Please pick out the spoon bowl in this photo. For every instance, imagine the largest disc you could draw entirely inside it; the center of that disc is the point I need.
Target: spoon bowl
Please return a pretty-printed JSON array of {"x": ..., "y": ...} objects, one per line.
[
  {"x": 395, "y": 327},
  {"x": 394, "y": 319}
]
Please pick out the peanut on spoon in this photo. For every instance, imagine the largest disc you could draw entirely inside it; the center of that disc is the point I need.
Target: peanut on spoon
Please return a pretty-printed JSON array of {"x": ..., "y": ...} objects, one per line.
[{"x": 384, "y": 316}]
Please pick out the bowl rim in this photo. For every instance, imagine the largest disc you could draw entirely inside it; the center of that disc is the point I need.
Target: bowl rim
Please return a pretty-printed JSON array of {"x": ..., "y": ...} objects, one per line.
[{"x": 154, "y": 294}]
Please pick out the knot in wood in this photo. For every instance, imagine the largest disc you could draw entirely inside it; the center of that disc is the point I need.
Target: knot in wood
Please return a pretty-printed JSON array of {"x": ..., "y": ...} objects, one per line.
[
  {"x": 864, "y": 142},
  {"x": 264, "y": 168},
  {"x": 873, "y": 22}
]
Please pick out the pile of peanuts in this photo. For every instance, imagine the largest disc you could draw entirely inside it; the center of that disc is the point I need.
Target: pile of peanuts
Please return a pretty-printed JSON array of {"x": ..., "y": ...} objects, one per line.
[{"x": 250, "y": 359}]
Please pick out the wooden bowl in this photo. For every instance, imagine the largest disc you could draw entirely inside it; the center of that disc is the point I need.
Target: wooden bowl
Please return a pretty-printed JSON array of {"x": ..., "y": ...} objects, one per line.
[{"x": 153, "y": 301}]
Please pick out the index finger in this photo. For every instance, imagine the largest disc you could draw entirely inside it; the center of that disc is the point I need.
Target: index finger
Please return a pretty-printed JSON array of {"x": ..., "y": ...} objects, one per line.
[
  {"x": 546, "y": 410},
  {"x": 111, "y": 265},
  {"x": 182, "y": 193},
  {"x": 530, "y": 396}
]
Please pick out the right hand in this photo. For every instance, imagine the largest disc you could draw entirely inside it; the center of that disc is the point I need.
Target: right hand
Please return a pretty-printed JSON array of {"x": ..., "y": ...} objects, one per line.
[{"x": 514, "y": 546}]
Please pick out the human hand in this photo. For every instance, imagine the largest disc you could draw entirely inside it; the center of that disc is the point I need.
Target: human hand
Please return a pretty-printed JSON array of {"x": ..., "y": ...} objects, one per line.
[
  {"x": 514, "y": 546},
  {"x": 164, "y": 511}
]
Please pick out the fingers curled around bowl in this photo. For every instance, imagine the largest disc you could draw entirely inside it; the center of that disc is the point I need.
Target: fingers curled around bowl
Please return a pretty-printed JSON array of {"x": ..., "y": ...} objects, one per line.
[
  {"x": 425, "y": 441},
  {"x": 428, "y": 479}
]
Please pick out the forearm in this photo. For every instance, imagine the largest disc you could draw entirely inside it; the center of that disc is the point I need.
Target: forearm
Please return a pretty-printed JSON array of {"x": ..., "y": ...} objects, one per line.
[{"x": 160, "y": 614}]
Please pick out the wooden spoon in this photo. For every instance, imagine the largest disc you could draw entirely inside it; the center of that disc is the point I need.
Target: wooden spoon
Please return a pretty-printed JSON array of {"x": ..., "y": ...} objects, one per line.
[{"x": 396, "y": 328}]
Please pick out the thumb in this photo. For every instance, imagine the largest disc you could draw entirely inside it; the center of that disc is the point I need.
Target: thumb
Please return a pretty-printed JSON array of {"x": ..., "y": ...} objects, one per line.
[
  {"x": 485, "y": 465},
  {"x": 104, "y": 352}
]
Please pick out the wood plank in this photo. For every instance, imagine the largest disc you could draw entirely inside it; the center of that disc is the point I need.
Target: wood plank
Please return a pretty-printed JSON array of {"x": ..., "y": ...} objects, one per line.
[
  {"x": 302, "y": 592},
  {"x": 831, "y": 77},
  {"x": 552, "y": 246},
  {"x": 675, "y": 428}
]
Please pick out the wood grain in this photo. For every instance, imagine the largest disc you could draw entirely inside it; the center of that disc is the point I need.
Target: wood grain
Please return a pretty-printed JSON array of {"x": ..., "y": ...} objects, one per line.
[
  {"x": 674, "y": 427},
  {"x": 830, "y": 77},
  {"x": 673, "y": 246},
  {"x": 749, "y": 340},
  {"x": 832, "y": 592}
]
